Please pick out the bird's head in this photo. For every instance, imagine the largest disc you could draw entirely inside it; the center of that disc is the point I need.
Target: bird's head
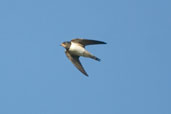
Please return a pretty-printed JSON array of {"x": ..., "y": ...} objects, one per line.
[{"x": 66, "y": 45}]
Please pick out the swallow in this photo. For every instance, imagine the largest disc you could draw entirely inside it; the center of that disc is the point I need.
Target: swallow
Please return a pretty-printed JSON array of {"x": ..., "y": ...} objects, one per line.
[{"x": 76, "y": 48}]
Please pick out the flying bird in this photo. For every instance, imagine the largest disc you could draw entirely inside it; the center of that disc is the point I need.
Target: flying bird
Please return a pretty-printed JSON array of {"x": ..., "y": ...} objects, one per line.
[{"x": 76, "y": 48}]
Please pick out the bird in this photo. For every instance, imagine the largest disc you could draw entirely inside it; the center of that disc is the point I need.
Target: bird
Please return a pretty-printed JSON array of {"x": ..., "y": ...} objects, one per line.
[{"x": 76, "y": 48}]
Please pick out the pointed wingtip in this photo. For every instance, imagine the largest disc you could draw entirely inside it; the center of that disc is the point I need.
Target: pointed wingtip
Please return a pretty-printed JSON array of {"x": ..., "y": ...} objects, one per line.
[{"x": 103, "y": 42}]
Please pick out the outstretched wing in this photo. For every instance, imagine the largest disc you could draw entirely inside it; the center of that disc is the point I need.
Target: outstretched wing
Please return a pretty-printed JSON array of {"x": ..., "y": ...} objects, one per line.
[
  {"x": 85, "y": 42},
  {"x": 75, "y": 60}
]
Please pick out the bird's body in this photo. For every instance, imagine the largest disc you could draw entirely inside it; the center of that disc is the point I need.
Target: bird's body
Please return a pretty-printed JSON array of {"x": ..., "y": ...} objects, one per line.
[{"x": 76, "y": 48}]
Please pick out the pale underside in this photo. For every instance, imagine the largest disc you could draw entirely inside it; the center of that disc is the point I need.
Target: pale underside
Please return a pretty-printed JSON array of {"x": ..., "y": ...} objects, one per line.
[{"x": 76, "y": 49}]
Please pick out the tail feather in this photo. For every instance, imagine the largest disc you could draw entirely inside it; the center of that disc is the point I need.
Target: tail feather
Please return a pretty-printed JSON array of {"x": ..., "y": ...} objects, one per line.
[
  {"x": 95, "y": 58},
  {"x": 88, "y": 54}
]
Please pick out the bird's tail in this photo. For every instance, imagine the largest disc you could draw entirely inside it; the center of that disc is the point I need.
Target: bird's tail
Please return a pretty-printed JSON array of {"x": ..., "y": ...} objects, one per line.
[
  {"x": 88, "y": 54},
  {"x": 95, "y": 58}
]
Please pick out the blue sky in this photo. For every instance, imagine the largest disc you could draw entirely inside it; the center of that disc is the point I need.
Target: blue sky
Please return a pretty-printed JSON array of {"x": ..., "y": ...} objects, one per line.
[{"x": 133, "y": 77}]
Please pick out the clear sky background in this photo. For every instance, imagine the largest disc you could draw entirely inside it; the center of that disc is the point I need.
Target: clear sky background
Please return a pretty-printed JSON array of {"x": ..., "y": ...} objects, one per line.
[{"x": 133, "y": 77}]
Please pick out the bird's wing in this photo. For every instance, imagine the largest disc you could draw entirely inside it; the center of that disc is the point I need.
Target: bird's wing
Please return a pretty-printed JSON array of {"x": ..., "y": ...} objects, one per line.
[
  {"x": 75, "y": 60},
  {"x": 85, "y": 42}
]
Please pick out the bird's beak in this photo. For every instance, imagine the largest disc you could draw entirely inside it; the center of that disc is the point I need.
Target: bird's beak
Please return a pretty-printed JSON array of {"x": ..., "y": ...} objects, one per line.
[{"x": 62, "y": 45}]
